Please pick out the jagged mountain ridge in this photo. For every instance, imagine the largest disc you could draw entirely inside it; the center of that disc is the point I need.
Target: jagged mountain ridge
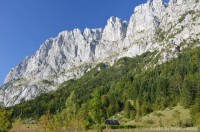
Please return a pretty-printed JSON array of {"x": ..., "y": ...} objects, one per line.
[{"x": 72, "y": 53}]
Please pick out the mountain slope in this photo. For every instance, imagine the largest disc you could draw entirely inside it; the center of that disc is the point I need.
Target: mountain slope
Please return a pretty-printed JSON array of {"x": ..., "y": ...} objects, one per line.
[
  {"x": 126, "y": 87},
  {"x": 102, "y": 77},
  {"x": 154, "y": 26}
]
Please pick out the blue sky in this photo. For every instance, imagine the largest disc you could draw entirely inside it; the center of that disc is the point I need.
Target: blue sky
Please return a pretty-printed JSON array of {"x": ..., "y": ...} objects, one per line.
[{"x": 26, "y": 24}]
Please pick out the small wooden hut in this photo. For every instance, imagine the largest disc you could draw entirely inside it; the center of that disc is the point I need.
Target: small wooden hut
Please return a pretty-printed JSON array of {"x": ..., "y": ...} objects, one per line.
[{"x": 112, "y": 122}]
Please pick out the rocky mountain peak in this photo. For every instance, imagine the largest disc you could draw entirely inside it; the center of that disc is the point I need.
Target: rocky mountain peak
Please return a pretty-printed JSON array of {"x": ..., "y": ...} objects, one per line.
[
  {"x": 92, "y": 35},
  {"x": 146, "y": 17},
  {"x": 153, "y": 26},
  {"x": 156, "y": 2},
  {"x": 157, "y": 6},
  {"x": 180, "y": 2},
  {"x": 115, "y": 29}
]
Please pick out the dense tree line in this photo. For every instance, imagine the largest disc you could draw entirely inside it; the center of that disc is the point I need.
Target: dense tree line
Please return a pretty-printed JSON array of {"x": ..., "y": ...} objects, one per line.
[{"x": 126, "y": 86}]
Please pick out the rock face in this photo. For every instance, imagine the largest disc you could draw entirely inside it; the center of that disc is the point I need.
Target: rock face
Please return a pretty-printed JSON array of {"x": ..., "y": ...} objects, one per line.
[
  {"x": 115, "y": 29},
  {"x": 154, "y": 25},
  {"x": 146, "y": 17}
]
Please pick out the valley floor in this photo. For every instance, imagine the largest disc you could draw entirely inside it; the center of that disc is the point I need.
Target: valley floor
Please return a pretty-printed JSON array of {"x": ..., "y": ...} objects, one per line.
[
  {"x": 36, "y": 128},
  {"x": 156, "y": 130},
  {"x": 26, "y": 128}
]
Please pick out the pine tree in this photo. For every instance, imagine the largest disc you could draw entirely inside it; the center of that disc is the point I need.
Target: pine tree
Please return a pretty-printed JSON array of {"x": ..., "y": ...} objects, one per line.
[
  {"x": 197, "y": 100},
  {"x": 71, "y": 106},
  {"x": 127, "y": 109},
  {"x": 186, "y": 97},
  {"x": 96, "y": 108}
]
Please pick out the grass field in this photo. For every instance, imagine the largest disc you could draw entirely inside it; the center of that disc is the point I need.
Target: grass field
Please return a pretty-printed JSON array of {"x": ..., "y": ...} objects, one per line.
[
  {"x": 174, "y": 117},
  {"x": 175, "y": 129},
  {"x": 36, "y": 128},
  {"x": 26, "y": 128}
]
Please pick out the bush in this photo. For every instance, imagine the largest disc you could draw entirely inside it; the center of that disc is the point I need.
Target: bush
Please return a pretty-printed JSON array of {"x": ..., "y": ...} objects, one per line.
[{"x": 160, "y": 34}]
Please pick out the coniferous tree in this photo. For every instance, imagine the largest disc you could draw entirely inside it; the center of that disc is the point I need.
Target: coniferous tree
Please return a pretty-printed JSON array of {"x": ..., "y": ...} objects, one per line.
[
  {"x": 197, "y": 100},
  {"x": 127, "y": 109},
  {"x": 71, "y": 106},
  {"x": 96, "y": 108}
]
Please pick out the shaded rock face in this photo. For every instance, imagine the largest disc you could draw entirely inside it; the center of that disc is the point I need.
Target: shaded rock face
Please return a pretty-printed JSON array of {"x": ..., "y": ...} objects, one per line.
[{"x": 154, "y": 25}]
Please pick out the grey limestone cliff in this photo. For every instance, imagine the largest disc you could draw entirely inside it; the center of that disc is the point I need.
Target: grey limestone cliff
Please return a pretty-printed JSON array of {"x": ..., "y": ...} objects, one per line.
[{"x": 154, "y": 25}]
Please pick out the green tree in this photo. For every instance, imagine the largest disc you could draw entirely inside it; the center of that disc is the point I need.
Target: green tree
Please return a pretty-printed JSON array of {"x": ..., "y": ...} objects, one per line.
[
  {"x": 186, "y": 97},
  {"x": 95, "y": 110},
  {"x": 84, "y": 112},
  {"x": 175, "y": 84},
  {"x": 189, "y": 90},
  {"x": 138, "y": 106},
  {"x": 5, "y": 120},
  {"x": 46, "y": 122},
  {"x": 127, "y": 109},
  {"x": 71, "y": 106},
  {"x": 197, "y": 100}
]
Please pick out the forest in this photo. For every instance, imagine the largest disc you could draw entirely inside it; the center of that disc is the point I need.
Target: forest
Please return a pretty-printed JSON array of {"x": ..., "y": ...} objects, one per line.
[{"x": 133, "y": 86}]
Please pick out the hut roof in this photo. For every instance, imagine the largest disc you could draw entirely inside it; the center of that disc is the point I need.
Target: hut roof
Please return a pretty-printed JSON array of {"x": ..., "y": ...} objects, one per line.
[{"x": 112, "y": 122}]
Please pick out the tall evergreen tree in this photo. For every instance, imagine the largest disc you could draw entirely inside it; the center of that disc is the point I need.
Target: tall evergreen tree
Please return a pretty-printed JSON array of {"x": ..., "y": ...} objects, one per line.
[
  {"x": 127, "y": 109},
  {"x": 96, "y": 108}
]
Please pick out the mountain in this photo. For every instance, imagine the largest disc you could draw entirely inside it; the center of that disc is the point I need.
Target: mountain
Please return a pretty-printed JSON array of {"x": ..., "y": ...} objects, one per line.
[
  {"x": 154, "y": 26},
  {"x": 124, "y": 91}
]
